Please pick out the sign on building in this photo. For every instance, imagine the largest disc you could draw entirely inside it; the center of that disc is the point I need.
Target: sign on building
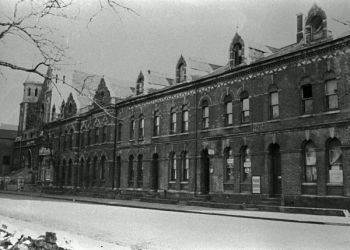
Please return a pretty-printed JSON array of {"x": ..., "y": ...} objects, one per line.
[{"x": 256, "y": 185}]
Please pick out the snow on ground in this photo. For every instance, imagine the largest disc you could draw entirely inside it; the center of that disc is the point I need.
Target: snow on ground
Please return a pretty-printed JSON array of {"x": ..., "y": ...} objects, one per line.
[{"x": 88, "y": 226}]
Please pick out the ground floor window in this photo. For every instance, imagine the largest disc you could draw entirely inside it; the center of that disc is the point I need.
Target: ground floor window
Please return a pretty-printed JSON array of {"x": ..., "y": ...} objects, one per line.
[
  {"x": 310, "y": 162},
  {"x": 335, "y": 162},
  {"x": 228, "y": 162}
]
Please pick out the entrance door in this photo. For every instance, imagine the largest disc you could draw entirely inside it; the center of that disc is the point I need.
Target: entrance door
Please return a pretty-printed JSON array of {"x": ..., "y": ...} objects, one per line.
[
  {"x": 205, "y": 162},
  {"x": 276, "y": 178},
  {"x": 154, "y": 174}
]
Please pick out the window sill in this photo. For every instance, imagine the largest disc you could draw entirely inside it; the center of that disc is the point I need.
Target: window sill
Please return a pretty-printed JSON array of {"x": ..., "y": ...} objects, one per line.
[
  {"x": 184, "y": 182},
  {"x": 309, "y": 184},
  {"x": 306, "y": 115},
  {"x": 131, "y": 140},
  {"x": 245, "y": 124},
  {"x": 172, "y": 182},
  {"x": 274, "y": 120},
  {"x": 329, "y": 112},
  {"x": 155, "y": 136},
  {"x": 335, "y": 184}
]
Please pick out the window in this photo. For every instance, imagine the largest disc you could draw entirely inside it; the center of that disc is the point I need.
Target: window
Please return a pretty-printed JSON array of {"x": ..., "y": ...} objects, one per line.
[
  {"x": 173, "y": 121},
  {"x": 228, "y": 111},
  {"x": 104, "y": 133},
  {"x": 306, "y": 97},
  {"x": 82, "y": 140},
  {"x": 245, "y": 107},
  {"x": 97, "y": 134},
  {"x": 185, "y": 166},
  {"x": 71, "y": 138},
  {"x": 331, "y": 94},
  {"x": 182, "y": 72},
  {"x": 310, "y": 162},
  {"x": 65, "y": 137},
  {"x": 172, "y": 167},
  {"x": 6, "y": 160},
  {"x": 36, "y": 92},
  {"x": 141, "y": 127},
  {"x": 335, "y": 162},
  {"x": 156, "y": 122},
  {"x": 131, "y": 171},
  {"x": 184, "y": 119},
  {"x": 274, "y": 105},
  {"x": 132, "y": 128},
  {"x": 139, "y": 88},
  {"x": 229, "y": 163},
  {"x": 246, "y": 162},
  {"x": 89, "y": 137},
  {"x": 102, "y": 173},
  {"x": 205, "y": 114},
  {"x": 28, "y": 91},
  {"x": 139, "y": 171},
  {"x": 237, "y": 53},
  {"x": 120, "y": 127}
]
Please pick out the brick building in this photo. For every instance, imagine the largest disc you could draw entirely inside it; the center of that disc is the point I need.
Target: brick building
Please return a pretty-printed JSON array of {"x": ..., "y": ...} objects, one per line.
[
  {"x": 272, "y": 122},
  {"x": 7, "y": 135}
]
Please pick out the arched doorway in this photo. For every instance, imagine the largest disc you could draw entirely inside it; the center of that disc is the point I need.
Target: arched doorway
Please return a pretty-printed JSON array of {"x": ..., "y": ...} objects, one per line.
[
  {"x": 275, "y": 169},
  {"x": 63, "y": 173},
  {"x": 155, "y": 173},
  {"x": 205, "y": 176},
  {"x": 87, "y": 173}
]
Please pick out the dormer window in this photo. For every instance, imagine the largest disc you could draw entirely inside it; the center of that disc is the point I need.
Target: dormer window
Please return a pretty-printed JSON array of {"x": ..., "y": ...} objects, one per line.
[
  {"x": 236, "y": 51},
  {"x": 237, "y": 54},
  {"x": 182, "y": 73},
  {"x": 316, "y": 27},
  {"x": 28, "y": 91},
  {"x": 36, "y": 92}
]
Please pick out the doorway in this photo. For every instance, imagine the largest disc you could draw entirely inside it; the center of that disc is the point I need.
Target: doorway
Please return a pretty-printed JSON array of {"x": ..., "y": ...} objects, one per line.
[
  {"x": 205, "y": 164},
  {"x": 275, "y": 169},
  {"x": 155, "y": 173}
]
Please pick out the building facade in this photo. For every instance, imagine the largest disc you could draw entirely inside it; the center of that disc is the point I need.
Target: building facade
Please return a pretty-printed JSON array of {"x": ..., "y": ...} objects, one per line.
[{"x": 272, "y": 122}]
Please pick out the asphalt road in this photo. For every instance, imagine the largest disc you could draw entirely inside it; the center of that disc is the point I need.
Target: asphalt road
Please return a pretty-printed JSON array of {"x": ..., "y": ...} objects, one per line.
[{"x": 107, "y": 227}]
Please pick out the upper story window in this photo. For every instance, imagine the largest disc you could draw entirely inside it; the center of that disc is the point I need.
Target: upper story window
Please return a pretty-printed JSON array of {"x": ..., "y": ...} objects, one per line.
[
  {"x": 139, "y": 88},
  {"x": 237, "y": 53},
  {"x": 132, "y": 128},
  {"x": 82, "y": 138},
  {"x": 36, "y": 92},
  {"x": 182, "y": 72},
  {"x": 332, "y": 94},
  {"x": 104, "y": 133},
  {"x": 184, "y": 119},
  {"x": 245, "y": 107},
  {"x": 65, "y": 137},
  {"x": 119, "y": 132},
  {"x": 310, "y": 169},
  {"x": 274, "y": 105},
  {"x": 156, "y": 124},
  {"x": 141, "y": 127},
  {"x": 173, "y": 121},
  {"x": 71, "y": 138},
  {"x": 306, "y": 98},
  {"x": 205, "y": 114},
  {"x": 228, "y": 110},
  {"x": 89, "y": 137},
  {"x": 28, "y": 91},
  {"x": 97, "y": 134}
]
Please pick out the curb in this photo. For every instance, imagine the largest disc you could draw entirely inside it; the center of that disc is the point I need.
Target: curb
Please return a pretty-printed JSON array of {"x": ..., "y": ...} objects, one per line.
[{"x": 79, "y": 200}]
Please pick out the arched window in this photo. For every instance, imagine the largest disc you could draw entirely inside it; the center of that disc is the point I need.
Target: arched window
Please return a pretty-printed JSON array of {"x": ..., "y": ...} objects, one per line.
[
  {"x": 173, "y": 121},
  {"x": 102, "y": 172},
  {"x": 71, "y": 138},
  {"x": 332, "y": 94},
  {"x": 132, "y": 128},
  {"x": 228, "y": 163},
  {"x": 141, "y": 127},
  {"x": 306, "y": 99},
  {"x": 104, "y": 133},
  {"x": 89, "y": 137},
  {"x": 237, "y": 53},
  {"x": 182, "y": 72},
  {"x": 310, "y": 162},
  {"x": 246, "y": 163},
  {"x": 317, "y": 27},
  {"x": 172, "y": 160},
  {"x": 245, "y": 106},
  {"x": 156, "y": 124},
  {"x": 28, "y": 91},
  {"x": 82, "y": 138},
  {"x": 94, "y": 170},
  {"x": 205, "y": 114},
  {"x": 184, "y": 119},
  {"x": 131, "y": 171},
  {"x": 120, "y": 129},
  {"x": 139, "y": 171},
  {"x": 335, "y": 161},
  {"x": 185, "y": 163},
  {"x": 274, "y": 105},
  {"x": 65, "y": 137},
  {"x": 36, "y": 92},
  {"x": 97, "y": 134},
  {"x": 228, "y": 110}
]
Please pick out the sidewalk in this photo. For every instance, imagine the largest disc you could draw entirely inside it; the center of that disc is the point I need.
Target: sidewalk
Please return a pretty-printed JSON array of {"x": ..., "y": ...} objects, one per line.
[{"x": 274, "y": 216}]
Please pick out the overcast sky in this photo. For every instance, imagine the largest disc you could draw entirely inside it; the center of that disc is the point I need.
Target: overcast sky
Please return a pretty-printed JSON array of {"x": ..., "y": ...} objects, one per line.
[{"x": 121, "y": 45}]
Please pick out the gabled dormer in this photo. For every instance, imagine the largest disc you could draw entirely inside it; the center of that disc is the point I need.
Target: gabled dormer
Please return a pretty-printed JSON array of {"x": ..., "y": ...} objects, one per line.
[
  {"x": 316, "y": 24},
  {"x": 236, "y": 51},
  {"x": 102, "y": 96},
  {"x": 140, "y": 84},
  {"x": 181, "y": 70},
  {"x": 70, "y": 108}
]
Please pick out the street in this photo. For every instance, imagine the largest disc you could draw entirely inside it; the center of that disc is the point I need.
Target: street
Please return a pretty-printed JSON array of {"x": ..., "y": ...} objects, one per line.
[{"x": 108, "y": 227}]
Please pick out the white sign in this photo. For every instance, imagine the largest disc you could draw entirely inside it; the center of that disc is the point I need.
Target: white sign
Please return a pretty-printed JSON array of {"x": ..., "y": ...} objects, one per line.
[
  {"x": 211, "y": 152},
  {"x": 247, "y": 164},
  {"x": 256, "y": 185},
  {"x": 336, "y": 176},
  {"x": 230, "y": 161}
]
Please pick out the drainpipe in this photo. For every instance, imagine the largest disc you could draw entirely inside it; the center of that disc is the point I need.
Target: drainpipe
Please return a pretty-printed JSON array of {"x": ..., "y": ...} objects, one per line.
[
  {"x": 115, "y": 182},
  {"x": 196, "y": 139}
]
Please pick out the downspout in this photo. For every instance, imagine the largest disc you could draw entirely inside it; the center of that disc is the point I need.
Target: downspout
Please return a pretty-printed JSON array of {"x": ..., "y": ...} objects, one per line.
[
  {"x": 115, "y": 182},
  {"x": 196, "y": 139}
]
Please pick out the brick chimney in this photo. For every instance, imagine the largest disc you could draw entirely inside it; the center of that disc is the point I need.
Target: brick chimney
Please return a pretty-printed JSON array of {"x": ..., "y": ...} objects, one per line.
[{"x": 299, "y": 27}]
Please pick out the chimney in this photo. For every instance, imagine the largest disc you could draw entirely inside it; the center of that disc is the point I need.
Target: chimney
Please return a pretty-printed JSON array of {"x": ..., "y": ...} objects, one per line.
[{"x": 299, "y": 27}]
